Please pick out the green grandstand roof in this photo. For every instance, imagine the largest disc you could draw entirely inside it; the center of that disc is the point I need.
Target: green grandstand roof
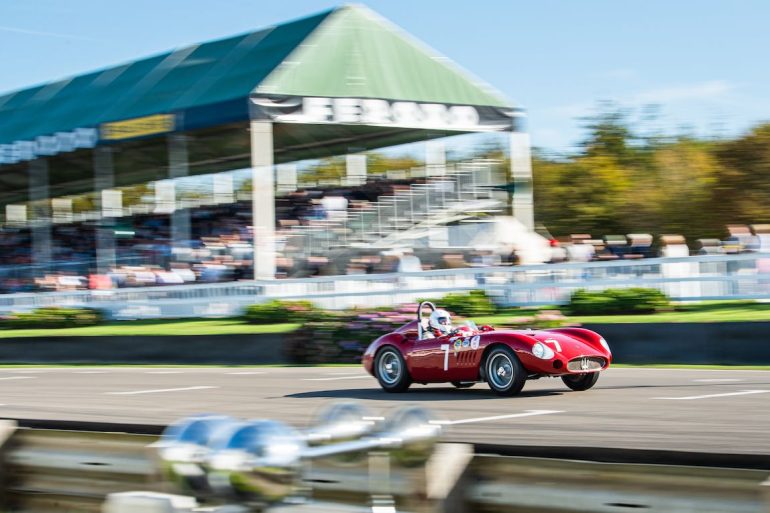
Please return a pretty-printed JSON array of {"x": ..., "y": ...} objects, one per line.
[
  {"x": 355, "y": 53},
  {"x": 343, "y": 52}
]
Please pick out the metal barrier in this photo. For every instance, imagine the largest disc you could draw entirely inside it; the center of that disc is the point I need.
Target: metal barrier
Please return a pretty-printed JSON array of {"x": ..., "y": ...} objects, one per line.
[
  {"x": 48, "y": 471},
  {"x": 696, "y": 278}
]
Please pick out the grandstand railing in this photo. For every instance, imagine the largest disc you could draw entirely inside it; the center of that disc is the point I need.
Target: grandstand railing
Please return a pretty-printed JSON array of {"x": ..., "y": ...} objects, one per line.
[{"x": 695, "y": 278}]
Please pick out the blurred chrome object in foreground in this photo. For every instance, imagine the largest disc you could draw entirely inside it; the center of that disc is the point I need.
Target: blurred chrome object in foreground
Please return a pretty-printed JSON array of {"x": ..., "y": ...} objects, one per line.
[
  {"x": 258, "y": 462},
  {"x": 184, "y": 448}
]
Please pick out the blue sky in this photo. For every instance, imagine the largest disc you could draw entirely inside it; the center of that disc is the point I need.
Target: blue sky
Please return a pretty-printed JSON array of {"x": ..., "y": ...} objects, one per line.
[{"x": 702, "y": 61}]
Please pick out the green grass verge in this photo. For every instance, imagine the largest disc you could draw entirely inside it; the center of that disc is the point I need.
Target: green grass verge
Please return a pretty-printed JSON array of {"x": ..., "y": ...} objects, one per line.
[
  {"x": 349, "y": 365},
  {"x": 179, "y": 327},
  {"x": 689, "y": 366},
  {"x": 173, "y": 365},
  {"x": 725, "y": 311}
]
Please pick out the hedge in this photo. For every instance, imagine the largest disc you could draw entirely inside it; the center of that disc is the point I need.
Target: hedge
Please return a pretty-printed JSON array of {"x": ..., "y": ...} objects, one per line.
[
  {"x": 277, "y": 312},
  {"x": 633, "y": 300},
  {"x": 473, "y": 303},
  {"x": 343, "y": 337},
  {"x": 53, "y": 317}
]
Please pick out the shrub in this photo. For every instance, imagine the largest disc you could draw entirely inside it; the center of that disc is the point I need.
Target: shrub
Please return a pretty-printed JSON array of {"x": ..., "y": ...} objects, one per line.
[
  {"x": 343, "y": 337},
  {"x": 617, "y": 301},
  {"x": 474, "y": 303},
  {"x": 276, "y": 312},
  {"x": 53, "y": 317}
]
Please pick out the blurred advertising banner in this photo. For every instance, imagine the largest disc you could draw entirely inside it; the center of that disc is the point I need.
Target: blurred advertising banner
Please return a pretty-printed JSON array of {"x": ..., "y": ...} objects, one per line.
[
  {"x": 137, "y": 127},
  {"x": 379, "y": 112}
]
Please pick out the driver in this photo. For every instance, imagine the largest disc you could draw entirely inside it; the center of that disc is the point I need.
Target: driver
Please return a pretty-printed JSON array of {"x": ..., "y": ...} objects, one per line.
[{"x": 440, "y": 323}]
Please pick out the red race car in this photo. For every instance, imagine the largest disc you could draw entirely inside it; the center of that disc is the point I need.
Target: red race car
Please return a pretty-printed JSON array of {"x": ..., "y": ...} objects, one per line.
[{"x": 503, "y": 358}]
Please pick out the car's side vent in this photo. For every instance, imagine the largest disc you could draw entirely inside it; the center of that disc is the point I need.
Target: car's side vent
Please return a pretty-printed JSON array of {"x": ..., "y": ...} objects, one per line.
[{"x": 466, "y": 358}]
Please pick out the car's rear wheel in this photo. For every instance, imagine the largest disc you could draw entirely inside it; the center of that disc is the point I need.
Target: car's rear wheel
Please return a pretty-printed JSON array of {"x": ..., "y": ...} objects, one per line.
[
  {"x": 504, "y": 372},
  {"x": 463, "y": 384},
  {"x": 390, "y": 370},
  {"x": 580, "y": 382}
]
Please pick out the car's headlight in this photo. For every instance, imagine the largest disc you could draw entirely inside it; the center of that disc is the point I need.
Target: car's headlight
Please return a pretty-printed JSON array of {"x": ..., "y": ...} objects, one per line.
[
  {"x": 542, "y": 351},
  {"x": 604, "y": 344}
]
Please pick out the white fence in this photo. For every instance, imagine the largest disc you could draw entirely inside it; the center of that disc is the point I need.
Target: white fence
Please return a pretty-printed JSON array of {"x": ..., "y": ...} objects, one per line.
[{"x": 697, "y": 278}]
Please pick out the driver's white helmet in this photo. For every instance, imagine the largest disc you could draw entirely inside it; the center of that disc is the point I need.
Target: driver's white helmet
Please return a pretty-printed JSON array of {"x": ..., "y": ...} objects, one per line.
[{"x": 441, "y": 321}]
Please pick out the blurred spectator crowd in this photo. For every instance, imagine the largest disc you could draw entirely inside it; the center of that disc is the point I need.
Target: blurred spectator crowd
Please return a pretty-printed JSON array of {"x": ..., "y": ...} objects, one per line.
[
  {"x": 584, "y": 248},
  {"x": 220, "y": 247}
]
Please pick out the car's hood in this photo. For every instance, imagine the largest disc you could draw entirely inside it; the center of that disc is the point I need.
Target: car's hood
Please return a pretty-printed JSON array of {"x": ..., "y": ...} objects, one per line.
[{"x": 567, "y": 346}]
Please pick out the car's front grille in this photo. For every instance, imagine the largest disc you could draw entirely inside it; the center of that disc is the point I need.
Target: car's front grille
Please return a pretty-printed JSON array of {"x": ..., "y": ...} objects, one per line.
[{"x": 586, "y": 364}]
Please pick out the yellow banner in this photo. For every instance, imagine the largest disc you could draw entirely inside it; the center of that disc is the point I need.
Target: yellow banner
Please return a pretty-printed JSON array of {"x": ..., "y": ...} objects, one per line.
[{"x": 137, "y": 127}]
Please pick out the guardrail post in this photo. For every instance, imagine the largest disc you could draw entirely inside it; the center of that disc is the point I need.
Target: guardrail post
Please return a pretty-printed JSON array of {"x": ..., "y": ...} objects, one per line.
[
  {"x": 7, "y": 429},
  {"x": 379, "y": 482},
  {"x": 766, "y": 494},
  {"x": 446, "y": 476}
]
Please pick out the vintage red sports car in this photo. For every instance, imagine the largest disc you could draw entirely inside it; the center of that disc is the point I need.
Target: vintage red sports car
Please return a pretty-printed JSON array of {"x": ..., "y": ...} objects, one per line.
[{"x": 505, "y": 359}]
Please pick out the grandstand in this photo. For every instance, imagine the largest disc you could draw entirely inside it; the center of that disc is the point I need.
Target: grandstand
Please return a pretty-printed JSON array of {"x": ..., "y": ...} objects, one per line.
[{"x": 196, "y": 164}]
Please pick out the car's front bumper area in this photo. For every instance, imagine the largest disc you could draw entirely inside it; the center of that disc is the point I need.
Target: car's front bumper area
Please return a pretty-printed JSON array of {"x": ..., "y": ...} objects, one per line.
[{"x": 560, "y": 365}]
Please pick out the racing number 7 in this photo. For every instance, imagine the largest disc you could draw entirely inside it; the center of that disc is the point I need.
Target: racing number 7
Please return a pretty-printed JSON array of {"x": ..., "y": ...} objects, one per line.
[{"x": 445, "y": 348}]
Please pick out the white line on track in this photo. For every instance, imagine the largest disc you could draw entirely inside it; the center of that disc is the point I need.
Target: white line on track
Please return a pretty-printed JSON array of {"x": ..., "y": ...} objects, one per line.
[
  {"x": 247, "y": 373},
  {"x": 528, "y": 413},
  {"x": 90, "y": 372},
  {"x": 717, "y": 380},
  {"x": 337, "y": 377},
  {"x": 137, "y": 392},
  {"x": 691, "y": 369},
  {"x": 693, "y": 397},
  {"x": 20, "y": 377},
  {"x": 163, "y": 372}
]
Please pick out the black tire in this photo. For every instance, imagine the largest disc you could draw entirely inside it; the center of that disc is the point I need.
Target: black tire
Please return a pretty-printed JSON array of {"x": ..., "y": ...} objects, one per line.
[
  {"x": 580, "y": 382},
  {"x": 504, "y": 372},
  {"x": 390, "y": 370},
  {"x": 462, "y": 384}
]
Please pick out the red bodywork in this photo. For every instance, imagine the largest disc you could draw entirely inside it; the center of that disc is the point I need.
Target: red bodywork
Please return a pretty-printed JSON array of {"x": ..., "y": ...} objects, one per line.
[{"x": 429, "y": 362}]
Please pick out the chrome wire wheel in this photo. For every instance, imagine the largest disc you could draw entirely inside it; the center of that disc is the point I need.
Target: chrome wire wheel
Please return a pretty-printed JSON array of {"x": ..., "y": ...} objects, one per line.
[
  {"x": 389, "y": 367},
  {"x": 503, "y": 371},
  {"x": 500, "y": 370}
]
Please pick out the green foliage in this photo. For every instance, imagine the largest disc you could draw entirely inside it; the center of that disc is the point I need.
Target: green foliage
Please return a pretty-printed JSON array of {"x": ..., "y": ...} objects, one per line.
[
  {"x": 628, "y": 178},
  {"x": 53, "y": 317},
  {"x": 474, "y": 303},
  {"x": 617, "y": 301},
  {"x": 278, "y": 312}
]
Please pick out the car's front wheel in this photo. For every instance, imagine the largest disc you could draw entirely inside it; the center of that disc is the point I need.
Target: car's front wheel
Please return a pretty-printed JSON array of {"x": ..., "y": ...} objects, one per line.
[
  {"x": 580, "y": 382},
  {"x": 390, "y": 370},
  {"x": 504, "y": 372}
]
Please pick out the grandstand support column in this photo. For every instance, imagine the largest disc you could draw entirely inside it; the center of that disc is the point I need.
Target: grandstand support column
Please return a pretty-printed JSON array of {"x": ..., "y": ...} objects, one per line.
[
  {"x": 435, "y": 158},
  {"x": 355, "y": 169},
  {"x": 104, "y": 181},
  {"x": 40, "y": 218},
  {"x": 178, "y": 167},
  {"x": 521, "y": 174},
  {"x": 263, "y": 199}
]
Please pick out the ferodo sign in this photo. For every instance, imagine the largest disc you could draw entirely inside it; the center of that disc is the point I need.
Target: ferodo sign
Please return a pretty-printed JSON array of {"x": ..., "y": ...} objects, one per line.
[{"x": 378, "y": 112}]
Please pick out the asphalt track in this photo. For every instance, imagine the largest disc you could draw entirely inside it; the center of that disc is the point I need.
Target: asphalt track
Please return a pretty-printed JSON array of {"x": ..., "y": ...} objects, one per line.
[{"x": 714, "y": 411}]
